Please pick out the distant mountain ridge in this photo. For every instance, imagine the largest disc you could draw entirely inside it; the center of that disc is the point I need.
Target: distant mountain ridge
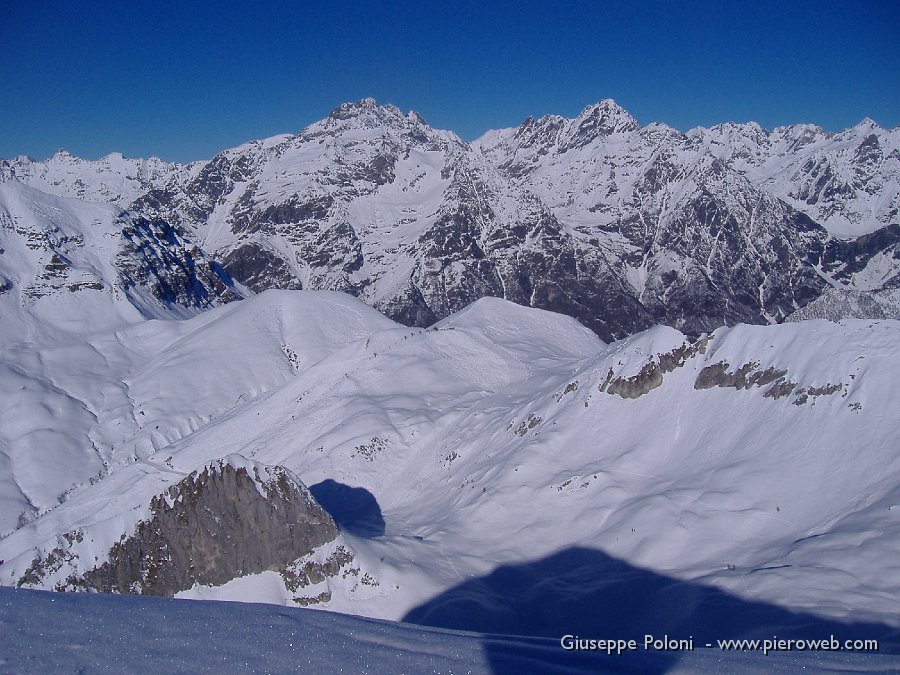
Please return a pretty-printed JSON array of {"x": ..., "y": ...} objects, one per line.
[{"x": 619, "y": 225}]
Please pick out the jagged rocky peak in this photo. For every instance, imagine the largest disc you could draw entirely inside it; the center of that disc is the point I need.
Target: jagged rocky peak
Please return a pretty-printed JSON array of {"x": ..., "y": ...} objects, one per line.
[
  {"x": 867, "y": 124},
  {"x": 661, "y": 134},
  {"x": 367, "y": 118},
  {"x": 603, "y": 118},
  {"x": 369, "y": 112},
  {"x": 798, "y": 136},
  {"x": 540, "y": 133},
  {"x": 232, "y": 518},
  {"x": 752, "y": 131},
  {"x": 733, "y": 139},
  {"x": 416, "y": 118}
]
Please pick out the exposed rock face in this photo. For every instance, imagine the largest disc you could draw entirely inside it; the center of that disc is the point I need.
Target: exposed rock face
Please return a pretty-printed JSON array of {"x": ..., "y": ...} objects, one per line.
[
  {"x": 835, "y": 305},
  {"x": 651, "y": 374},
  {"x": 155, "y": 257},
  {"x": 231, "y": 519},
  {"x": 749, "y": 375}
]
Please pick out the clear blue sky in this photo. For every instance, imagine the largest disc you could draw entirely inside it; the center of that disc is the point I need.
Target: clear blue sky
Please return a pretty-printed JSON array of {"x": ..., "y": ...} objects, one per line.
[{"x": 184, "y": 80}]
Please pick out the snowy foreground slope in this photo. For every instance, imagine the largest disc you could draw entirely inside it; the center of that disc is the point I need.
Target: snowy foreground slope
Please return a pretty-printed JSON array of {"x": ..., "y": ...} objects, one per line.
[
  {"x": 503, "y": 471},
  {"x": 46, "y": 632}
]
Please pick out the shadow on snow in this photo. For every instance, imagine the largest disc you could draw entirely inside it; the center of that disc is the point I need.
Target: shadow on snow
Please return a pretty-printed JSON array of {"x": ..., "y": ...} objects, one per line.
[
  {"x": 354, "y": 509},
  {"x": 587, "y": 593}
]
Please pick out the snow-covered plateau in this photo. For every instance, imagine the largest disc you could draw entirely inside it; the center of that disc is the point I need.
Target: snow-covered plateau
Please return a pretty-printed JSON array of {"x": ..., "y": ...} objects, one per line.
[{"x": 321, "y": 371}]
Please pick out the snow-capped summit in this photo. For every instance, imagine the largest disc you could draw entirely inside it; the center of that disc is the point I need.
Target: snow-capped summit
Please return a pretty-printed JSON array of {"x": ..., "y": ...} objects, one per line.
[
  {"x": 602, "y": 118},
  {"x": 867, "y": 124},
  {"x": 367, "y": 120},
  {"x": 797, "y": 136},
  {"x": 366, "y": 113},
  {"x": 364, "y": 107}
]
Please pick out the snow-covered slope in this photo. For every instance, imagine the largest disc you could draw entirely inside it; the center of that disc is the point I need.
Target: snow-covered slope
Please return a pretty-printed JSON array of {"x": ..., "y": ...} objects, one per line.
[
  {"x": 57, "y": 264},
  {"x": 73, "y": 409},
  {"x": 756, "y": 460},
  {"x": 64, "y": 259}
]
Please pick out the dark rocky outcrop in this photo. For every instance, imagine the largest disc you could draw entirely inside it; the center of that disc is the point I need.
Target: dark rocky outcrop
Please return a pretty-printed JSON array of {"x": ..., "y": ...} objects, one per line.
[
  {"x": 157, "y": 257},
  {"x": 259, "y": 269},
  {"x": 651, "y": 374},
  {"x": 746, "y": 376},
  {"x": 231, "y": 519}
]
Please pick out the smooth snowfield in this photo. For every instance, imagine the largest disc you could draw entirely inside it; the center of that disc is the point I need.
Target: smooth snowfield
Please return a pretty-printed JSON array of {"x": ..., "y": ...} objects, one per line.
[
  {"x": 48, "y": 632},
  {"x": 494, "y": 443}
]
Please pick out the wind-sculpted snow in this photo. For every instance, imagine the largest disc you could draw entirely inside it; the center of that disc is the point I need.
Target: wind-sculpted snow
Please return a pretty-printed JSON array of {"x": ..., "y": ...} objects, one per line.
[{"x": 497, "y": 437}]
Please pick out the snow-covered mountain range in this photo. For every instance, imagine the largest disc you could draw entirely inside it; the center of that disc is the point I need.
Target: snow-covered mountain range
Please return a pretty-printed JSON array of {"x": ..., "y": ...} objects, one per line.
[
  {"x": 341, "y": 336},
  {"x": 618, "y": 225}
]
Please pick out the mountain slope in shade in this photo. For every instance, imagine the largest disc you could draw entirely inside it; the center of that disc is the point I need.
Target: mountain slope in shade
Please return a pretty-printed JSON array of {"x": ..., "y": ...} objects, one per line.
[
  {"x": 63, "y": 259},
  {"x": 755, "y": 459}
]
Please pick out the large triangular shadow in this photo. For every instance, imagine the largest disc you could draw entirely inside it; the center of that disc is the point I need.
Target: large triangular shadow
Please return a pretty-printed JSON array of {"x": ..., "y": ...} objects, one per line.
[{"x": 585, "y": 592}]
